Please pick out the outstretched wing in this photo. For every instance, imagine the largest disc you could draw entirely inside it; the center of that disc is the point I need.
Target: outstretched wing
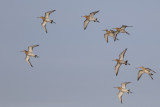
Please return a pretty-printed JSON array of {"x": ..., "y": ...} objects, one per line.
[
  {"x": 124, "y": 84},
  {"x": 115, "y": 35},
  {"x": 117, "y": 68},
  {"x": 150, "y": 70},
  {"x": 44, "y": 25},
  {"x": 30, "y": 48},
  {"x": 48, "y": 13},
  {"x": 121, "y": 56},
  {"x": 27, "y": 60},
  {"x": 93, "y": 13},
  {"x": 120, "y": 96},
  {"x": 85, "y": 24},
  {"x": 106, "y": 37},
  {"x": 140, "y": 74}
]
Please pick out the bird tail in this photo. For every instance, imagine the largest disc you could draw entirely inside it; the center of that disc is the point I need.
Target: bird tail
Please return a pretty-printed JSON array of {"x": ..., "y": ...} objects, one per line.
[
  {"x": 126, "y": 63},
  {"x": 36, "y": 56},
  {"x": 129, "y": 91},
  {"x": 96, "y": 20}
]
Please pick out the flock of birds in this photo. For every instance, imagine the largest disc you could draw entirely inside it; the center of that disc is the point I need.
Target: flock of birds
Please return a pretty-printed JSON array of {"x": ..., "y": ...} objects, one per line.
[{"x": 111, "y": 33}]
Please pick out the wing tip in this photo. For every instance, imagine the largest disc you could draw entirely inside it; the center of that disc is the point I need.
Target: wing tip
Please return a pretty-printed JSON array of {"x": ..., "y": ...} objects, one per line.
[{"x": 116, "y": 74}]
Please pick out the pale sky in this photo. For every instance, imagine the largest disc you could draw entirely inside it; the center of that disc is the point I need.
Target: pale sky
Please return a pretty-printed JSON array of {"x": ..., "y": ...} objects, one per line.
[{"x": 75, "y": 67}]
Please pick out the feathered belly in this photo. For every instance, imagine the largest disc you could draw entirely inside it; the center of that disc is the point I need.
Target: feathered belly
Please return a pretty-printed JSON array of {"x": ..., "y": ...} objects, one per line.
[{"x": 31, "y": 54}]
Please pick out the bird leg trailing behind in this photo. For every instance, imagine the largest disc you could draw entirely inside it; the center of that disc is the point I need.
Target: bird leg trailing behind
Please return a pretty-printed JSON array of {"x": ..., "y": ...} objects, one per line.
[
  {"x": 116, "y": 39},
  {"x": 127, "y": 33},
  {"x": 150, "y": 74}
]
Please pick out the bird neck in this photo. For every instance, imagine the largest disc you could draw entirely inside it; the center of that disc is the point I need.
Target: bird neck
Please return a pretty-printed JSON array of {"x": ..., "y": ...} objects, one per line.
[
  {"x": 119, "y": 88},
  {"x": 87, "y": 17},
  {"x": 26, "y": 52},
  {"x": 117, "y": 60},
  {"x": 118, "y": 29},
  {"x": 143, "y": 68},
  {"x": 43, "y": 18},
  {"x": 107, "y": 31}
]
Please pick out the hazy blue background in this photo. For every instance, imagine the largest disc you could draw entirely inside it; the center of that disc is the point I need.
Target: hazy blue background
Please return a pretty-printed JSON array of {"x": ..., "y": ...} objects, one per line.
[{"x": 75, "y": 68}]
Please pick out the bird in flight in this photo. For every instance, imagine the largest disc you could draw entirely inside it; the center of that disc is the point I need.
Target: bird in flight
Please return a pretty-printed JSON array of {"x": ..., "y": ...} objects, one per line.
[
  {"x": 145, "y": 70},
  {"x": 46, "y": 19},
  {"x": 123, "y": 90},
  {"x": 120, "y": 61},
  {"x": 29, "y": 54},
  {"x": 110, "y": 33},
  {"x": 90, "y": 18},
  {"x": 122, "y": 29}
]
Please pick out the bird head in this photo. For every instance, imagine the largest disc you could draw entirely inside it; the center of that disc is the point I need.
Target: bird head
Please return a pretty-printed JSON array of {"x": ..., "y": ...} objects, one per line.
[
  {"x": 41, "y": 17},
  {"x": 85, "y": 17},
  {"x": 140, "y": 67},
  {"x": 116, "y": 28},
  {"x": 126, "y": 26},
  {"x": 23, "y": 51},
  {"x": 105, "y": 30},
  {"x": 115, "y": 60},
  {"x": 117, "y": 88}
]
